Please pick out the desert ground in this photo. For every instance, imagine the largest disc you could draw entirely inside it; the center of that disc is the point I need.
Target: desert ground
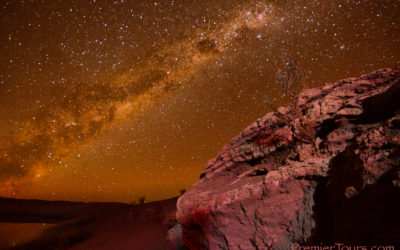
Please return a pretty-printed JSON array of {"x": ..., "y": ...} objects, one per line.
[{"x": 34, "y": 224}]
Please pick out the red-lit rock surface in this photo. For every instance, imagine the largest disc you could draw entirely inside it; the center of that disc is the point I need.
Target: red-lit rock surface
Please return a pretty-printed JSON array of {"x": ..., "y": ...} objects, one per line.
[{"x": 276, "y": 184}]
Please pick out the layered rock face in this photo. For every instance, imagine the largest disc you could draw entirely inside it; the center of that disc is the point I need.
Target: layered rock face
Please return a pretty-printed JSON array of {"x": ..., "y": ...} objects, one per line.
[{"x": 325, "y": 170}]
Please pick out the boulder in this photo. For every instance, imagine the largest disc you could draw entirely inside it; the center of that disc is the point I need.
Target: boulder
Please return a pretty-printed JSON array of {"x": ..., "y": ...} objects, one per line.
[{"x": 324, "y": 170}]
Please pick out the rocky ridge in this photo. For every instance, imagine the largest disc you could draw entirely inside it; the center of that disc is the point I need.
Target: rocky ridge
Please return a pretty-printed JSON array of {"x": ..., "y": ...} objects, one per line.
[{"x": 321, "y": 171}]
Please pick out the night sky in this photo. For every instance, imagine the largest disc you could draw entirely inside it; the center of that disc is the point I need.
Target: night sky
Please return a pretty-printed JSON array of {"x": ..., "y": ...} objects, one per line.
[{"x": 112, "y": 100}]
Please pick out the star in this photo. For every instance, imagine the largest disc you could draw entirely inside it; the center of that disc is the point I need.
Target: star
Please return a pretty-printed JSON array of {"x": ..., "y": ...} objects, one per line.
[{"x": 97, "y": 97}]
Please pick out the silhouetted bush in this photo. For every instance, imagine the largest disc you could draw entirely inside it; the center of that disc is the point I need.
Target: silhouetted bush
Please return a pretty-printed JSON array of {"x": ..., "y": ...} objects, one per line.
[
  {"x": 289, "y": 76},
  {"x": 141, "y": 200}
]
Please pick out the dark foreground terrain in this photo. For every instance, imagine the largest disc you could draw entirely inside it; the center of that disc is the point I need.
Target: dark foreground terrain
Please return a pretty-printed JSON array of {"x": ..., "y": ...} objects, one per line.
[{"x": 35, "y": 224}]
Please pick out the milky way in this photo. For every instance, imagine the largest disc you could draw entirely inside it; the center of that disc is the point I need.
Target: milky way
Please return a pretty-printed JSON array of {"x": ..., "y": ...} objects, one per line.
[{"x": 112, "y": 100}]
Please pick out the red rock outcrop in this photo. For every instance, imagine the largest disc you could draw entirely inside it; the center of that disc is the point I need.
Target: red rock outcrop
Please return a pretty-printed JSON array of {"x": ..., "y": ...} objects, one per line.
[{"x": 327, "y": 173}]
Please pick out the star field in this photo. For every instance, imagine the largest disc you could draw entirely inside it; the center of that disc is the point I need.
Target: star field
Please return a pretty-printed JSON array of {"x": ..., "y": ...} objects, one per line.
[{"x": 112, "y": 100}]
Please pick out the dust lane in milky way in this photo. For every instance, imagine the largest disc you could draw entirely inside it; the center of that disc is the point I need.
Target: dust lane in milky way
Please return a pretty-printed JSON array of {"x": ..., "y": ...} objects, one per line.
[{"x": 114, "y": 100}]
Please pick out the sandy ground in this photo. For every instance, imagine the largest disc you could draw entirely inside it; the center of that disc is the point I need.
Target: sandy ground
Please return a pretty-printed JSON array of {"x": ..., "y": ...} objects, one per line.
[
  {"x": 140, "y": 227},
  {"x": 12, "y": 234},
  {"x": 87, "y": 226}
]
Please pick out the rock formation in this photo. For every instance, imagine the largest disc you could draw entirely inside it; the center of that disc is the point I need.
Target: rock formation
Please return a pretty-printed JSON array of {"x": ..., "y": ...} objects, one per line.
[{"x": 328, "y": 173}]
